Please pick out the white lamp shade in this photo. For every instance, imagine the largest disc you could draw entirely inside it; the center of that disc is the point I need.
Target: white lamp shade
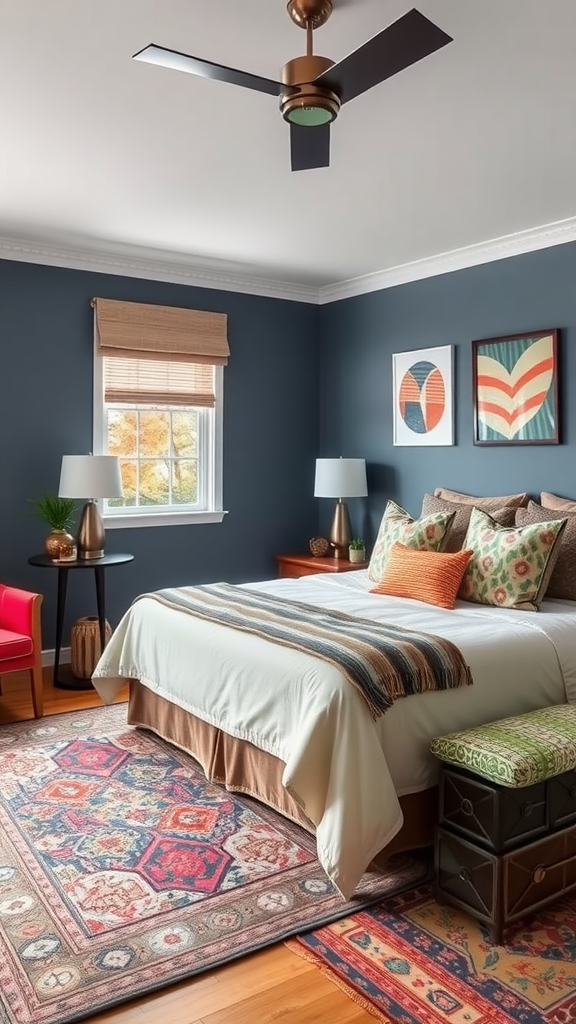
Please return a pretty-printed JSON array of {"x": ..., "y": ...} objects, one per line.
[
  {"x": 90, "y": 476},
  {"x": 340, "y": 478}
]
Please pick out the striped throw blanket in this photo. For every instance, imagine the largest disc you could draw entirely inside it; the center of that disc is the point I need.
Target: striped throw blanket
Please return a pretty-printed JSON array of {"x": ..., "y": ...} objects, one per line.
[{"x": 383, "y": 662}]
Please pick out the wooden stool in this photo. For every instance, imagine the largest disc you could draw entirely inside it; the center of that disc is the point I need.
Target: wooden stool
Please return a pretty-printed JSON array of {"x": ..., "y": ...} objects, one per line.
[{"x": 506, "y": 839}]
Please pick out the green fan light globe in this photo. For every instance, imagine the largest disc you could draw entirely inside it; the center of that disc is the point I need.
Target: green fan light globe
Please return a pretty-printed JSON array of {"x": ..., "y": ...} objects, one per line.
[{"x": 310, "y": 117}]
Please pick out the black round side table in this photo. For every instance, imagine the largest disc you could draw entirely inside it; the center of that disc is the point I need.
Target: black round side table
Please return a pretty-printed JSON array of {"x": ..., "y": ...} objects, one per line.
[{"x": 99, "y": 565}]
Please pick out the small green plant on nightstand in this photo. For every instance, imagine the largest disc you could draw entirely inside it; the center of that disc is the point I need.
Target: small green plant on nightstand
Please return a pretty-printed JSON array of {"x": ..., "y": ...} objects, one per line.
[
  {"x": 356, "y": 550},
  {"x": 57, "y": 512}
]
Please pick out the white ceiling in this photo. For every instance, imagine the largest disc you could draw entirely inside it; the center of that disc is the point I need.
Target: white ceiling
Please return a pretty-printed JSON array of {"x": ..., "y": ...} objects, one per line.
[{"x": 98, "y": 151}]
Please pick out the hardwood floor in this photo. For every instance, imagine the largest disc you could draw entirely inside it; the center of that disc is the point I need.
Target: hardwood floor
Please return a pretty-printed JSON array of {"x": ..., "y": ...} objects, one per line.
[{"x": 265, "y": 987}]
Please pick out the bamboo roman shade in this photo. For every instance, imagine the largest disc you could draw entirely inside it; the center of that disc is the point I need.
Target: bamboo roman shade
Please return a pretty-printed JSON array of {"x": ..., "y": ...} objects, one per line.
[
  {"x": 159, "y": 354},
  {"x": 157, "y": 382}
]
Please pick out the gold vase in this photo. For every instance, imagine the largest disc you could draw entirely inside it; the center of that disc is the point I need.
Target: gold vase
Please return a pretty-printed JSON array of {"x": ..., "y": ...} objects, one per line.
[{"x": 60, "y": 546}]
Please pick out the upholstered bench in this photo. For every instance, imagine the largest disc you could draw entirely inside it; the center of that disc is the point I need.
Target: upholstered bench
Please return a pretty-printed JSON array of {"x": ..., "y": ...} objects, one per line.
[{"x": 506, "y": 838}]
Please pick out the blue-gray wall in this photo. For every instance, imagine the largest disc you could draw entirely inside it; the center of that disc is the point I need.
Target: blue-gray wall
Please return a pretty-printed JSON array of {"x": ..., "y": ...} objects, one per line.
[
  {"x": 359, "y": 336},
  {"x": 302, "y": 381},
  {"x": 270, "y": 434}
]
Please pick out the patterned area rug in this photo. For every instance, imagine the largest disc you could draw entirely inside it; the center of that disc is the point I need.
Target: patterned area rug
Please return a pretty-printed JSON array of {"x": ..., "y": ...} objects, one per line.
[
  {"x": 122, "y": 870},
  {"x": 411, "y": 961}
]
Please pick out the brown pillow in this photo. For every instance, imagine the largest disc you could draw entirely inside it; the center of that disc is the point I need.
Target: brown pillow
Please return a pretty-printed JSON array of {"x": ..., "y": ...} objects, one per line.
[
  {"x": 462, "y": 513},
  {"x": 562, "y": 582},
  {"x": 552, "y": 501},
  {"x": 485, "y": 503}
]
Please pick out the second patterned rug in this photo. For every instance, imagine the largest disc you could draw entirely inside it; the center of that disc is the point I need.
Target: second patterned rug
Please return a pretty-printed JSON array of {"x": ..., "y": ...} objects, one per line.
[{"x": 409, "y": 960}]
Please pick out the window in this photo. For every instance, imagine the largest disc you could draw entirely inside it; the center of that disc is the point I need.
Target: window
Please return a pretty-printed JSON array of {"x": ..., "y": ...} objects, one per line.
[{"x": 158, "y": 401}]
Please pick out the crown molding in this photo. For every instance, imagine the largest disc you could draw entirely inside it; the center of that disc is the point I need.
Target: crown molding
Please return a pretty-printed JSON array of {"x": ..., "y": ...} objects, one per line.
[
  {"x": 459, "y": 259},
  {"x": 221, "y": 275},
  {"x": 157, "y": 265}
]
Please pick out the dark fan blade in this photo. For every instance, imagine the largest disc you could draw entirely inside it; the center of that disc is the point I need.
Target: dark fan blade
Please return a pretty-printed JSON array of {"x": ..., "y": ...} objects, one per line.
[
  {"x": 309, "y": 147},
  {"x": 206, "y": 69},
  {"x": 404, "y": 42}
]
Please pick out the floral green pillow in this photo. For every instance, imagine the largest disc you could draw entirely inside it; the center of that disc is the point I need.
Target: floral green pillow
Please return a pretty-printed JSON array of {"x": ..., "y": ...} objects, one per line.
[
  {"x": 510, "y": 567},
  {"x": 428, "y": 533}
]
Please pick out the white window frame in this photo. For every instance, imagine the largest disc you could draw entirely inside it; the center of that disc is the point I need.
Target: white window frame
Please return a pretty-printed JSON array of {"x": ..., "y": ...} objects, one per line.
[{"x": 210, "y": 483}]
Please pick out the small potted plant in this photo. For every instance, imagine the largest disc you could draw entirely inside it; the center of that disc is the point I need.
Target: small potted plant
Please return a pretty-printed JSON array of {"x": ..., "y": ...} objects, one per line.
[
  {"x": 357, "y": 550},
  {"x": 57, "y": 512}
]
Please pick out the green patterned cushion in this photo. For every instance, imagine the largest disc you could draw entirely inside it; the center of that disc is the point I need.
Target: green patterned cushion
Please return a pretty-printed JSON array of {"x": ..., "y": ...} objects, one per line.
[
  {"x": 516, "y": 751},
  {"x": 510, "y": 568},
  {"x": 428, "y": 533}
]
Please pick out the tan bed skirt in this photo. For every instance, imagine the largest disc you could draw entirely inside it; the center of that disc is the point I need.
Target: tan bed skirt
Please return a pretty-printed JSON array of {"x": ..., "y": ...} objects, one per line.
[{"x": 241, "y": 767}]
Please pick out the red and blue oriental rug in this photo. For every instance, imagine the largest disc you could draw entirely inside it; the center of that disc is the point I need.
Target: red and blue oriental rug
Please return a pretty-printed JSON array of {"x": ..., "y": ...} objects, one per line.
[
  {"x": 411, "y": 961},
  {"x": 122, "y": 870}
]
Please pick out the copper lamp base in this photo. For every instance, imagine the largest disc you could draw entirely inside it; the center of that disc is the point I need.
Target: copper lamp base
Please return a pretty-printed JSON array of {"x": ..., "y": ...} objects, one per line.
[
  {"x": 341, "y": 530},
  {"x": 91, "y": 533}
]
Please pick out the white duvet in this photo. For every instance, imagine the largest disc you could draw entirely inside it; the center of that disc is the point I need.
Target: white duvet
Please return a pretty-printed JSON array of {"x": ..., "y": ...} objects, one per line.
[{"x": 345, "y": 770}]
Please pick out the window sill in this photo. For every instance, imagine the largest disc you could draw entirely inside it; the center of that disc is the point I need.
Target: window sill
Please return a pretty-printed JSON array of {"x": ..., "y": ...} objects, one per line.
[{"x": 125, "y": 522}]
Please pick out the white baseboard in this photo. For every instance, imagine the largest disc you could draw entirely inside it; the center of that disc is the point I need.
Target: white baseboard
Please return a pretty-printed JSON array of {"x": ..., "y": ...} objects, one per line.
[{"x": 48, "y": 657}]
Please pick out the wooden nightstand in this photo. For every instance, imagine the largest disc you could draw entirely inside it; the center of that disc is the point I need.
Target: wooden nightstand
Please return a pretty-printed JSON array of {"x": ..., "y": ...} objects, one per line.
[{"x": 295, "y": 566}]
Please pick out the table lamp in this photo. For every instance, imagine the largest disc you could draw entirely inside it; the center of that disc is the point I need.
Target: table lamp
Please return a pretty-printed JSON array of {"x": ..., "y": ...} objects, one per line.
[
  {"x": 91, "y": 477},
  {"x": 340, "y": 478}
]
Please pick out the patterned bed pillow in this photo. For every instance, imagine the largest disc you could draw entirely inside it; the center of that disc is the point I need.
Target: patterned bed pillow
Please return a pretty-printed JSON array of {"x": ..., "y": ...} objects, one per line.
[
  {"x": 486, "y": 503},
  {"x": 563, "y": 579},
  {"x": 457, "y": 533},
  {"x": 430, "y": 576},
  {"x": 511, "y": 568},
  {"x": 557, "y": 504},
  {"x": 428, "y": 533}
]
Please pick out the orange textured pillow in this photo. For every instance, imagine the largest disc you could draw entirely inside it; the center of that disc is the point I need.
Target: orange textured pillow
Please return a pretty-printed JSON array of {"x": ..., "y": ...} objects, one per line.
[{"x": 430, "y": 576}]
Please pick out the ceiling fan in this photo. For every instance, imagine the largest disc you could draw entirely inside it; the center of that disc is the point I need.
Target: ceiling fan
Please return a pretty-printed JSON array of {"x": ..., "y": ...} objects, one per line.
[{"x": 313, "y": 88}]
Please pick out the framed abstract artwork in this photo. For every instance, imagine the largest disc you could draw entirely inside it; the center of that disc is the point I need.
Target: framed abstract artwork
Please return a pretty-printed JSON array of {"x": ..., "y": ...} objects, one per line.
[
  {"x": 515, "y": 388},
  {"x": 423, "y": 397}
]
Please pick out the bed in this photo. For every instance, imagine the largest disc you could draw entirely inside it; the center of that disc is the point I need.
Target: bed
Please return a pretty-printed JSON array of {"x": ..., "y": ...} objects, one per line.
[{"x": 288, "y": 728}]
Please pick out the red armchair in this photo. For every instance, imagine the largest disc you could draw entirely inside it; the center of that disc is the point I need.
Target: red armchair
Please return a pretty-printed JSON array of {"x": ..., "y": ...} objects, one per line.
[{"x": 21, "y": 639}]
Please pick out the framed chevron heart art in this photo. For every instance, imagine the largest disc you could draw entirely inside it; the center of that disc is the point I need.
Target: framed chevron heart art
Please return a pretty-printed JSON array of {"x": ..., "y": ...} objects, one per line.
[{"x": 515, "y": 386}]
